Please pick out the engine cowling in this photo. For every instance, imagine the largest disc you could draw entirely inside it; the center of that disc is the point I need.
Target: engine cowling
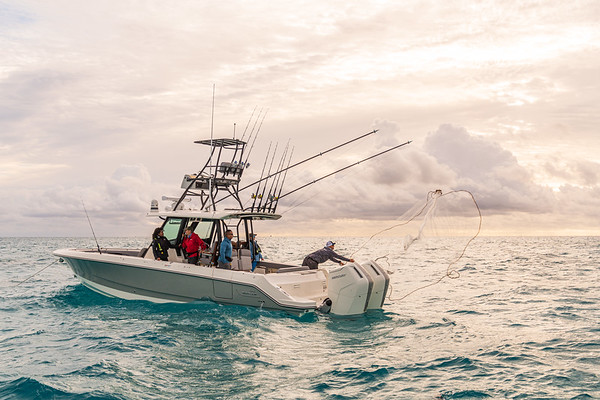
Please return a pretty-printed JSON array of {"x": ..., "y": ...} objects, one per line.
[{"x": 353, "y": 288}]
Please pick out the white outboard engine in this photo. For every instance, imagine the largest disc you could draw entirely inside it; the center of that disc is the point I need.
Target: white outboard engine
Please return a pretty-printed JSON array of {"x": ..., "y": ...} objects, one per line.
[
  {"x": 353, "y": 288},
  {"x": 381, "y": 283}
]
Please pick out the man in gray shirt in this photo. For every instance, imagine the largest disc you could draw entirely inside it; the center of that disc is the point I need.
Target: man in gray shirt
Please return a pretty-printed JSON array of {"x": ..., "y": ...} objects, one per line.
[{"x": 326, "y": 253}]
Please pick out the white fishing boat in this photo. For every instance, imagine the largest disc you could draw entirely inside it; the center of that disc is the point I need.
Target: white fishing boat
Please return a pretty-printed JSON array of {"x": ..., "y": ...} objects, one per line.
[{"x": 135, "y": 274}]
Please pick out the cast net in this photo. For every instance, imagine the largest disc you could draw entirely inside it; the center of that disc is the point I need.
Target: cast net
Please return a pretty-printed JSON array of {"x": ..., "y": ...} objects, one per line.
[{"x": 442, "y": 227}]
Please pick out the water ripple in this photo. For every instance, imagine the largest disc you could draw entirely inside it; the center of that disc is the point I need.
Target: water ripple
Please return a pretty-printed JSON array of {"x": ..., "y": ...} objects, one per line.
[{"x": 520, "y": 323}]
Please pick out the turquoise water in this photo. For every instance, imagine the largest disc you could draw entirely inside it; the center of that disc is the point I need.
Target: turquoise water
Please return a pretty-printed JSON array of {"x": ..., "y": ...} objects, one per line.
[{"x": 521, "y": 322}]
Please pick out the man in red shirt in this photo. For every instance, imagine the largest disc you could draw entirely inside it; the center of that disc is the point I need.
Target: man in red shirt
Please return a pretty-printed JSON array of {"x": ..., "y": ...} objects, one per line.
[{"x": 191, "y": 245}]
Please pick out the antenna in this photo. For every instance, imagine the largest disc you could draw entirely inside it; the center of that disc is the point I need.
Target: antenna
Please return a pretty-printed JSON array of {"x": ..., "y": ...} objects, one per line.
[
  {"x": 212, "y": 120},
  {"x": 212, "y": 115},
  {"x": 90, "y": 222}
]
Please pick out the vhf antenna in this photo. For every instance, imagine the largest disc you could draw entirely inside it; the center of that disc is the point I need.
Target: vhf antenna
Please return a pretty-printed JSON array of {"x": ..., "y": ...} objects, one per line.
[{"x": 212, "y": 149}]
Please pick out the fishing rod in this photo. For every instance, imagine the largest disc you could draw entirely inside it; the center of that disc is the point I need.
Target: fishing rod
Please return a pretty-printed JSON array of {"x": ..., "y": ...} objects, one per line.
[
  {"x": 275, "y": 186},
  {"x": 255, "y": 136},
  {"x": 302, "y": 162},
  {"x": 346, "y": 167},
  {"x": 254, "y": 125},
  {"x": 247, "y": 124},
  {"x": 276, "y": 199},
  {"x": 236, "y": 168},
  {"x": 90, "y": 222},
  {"x": 275, "y": 181},
  {"x": 261, "y": 175},
  {"x": 237, "y": 163},
  {"x": 265, "y": 185}
]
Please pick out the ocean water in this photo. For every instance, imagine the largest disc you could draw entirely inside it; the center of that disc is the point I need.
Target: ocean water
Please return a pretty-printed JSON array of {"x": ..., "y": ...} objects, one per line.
[{"x": 521, "y": 322}]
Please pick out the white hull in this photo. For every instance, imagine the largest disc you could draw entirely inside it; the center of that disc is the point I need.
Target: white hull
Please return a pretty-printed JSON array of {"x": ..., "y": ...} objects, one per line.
[
  {"x": 353, "y": 289},
  {"x": 110, "y": 292}
]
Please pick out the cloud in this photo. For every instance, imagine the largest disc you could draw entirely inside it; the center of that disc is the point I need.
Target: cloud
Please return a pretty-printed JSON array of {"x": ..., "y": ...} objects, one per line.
[
  {"x": 28, "y": 94},
  {"x": 450, "y": 159},
  {"x": 89, "y": 87},
  {"x": 127, "y": 189},
  {"x": 492, "y": 173},
  {"x": 468, "y": 155},
  {"x": 578, "y": 172},
  {"x": 580, "y": 204},
  {"x": 116, "y": 207}
]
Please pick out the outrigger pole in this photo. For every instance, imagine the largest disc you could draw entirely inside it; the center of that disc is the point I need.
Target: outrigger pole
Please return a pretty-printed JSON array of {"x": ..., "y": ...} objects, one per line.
[
  {"x": 309, "y": 158},
  {"x": 300, "y": 162},
  {"x": 335, "y": 172}
]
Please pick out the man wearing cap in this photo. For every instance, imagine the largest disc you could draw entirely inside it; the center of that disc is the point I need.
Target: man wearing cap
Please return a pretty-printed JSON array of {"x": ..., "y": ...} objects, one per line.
[
  {"x": 191, "y": 244},
  {"x": 326, "y": 253},
  {"x": 255, "y": 251}
]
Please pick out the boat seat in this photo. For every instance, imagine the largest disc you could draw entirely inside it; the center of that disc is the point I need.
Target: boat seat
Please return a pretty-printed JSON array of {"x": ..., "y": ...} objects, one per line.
[
  {"x": 173, "y": 257},
  {"x": 143, "y": 252},
  {"x": 149, "y": 253},
  {"x": 244, "y": 260},
  {"x": 207, "y": 257}
]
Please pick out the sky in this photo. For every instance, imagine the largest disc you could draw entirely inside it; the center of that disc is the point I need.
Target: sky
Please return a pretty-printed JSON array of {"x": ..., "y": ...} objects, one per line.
[{"x": 100, "y": 103}]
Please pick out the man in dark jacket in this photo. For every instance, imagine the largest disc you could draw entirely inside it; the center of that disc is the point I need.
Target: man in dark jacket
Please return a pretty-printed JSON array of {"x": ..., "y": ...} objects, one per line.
[
  {"x": 160, "y": 245},
  {"x": 326, "y": 253}
]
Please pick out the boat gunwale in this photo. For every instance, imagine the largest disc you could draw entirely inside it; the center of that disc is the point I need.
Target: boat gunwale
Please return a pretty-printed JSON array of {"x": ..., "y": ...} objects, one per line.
[{"x": 312, "y": 305}]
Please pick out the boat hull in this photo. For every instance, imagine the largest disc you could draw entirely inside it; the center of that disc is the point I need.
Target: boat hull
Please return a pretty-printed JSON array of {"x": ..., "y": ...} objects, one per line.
[{"x": 135, "y": 278}]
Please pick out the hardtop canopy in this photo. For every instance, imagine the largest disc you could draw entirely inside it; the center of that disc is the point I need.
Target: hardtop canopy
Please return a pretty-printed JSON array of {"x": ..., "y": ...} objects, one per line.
[
  {"x": 221, "y": 142},
  {"x": 218, "y": 215}
]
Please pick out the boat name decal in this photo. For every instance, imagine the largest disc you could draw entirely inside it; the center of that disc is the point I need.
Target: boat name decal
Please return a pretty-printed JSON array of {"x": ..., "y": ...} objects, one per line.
[{"x": 338, "y": 276}]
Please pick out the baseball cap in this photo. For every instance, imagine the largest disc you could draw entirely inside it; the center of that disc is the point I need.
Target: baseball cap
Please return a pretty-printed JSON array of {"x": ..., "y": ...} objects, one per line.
[{"x": 329, "y": 243}]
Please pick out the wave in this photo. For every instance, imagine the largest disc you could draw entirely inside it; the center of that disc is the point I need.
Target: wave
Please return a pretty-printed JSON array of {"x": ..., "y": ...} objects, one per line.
[
  {"x": 30, "y": 388},
  {"x": 78, "y": 296},
  {"x": 464, "y": 394},
  {"x": 353, "y": 377}
]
